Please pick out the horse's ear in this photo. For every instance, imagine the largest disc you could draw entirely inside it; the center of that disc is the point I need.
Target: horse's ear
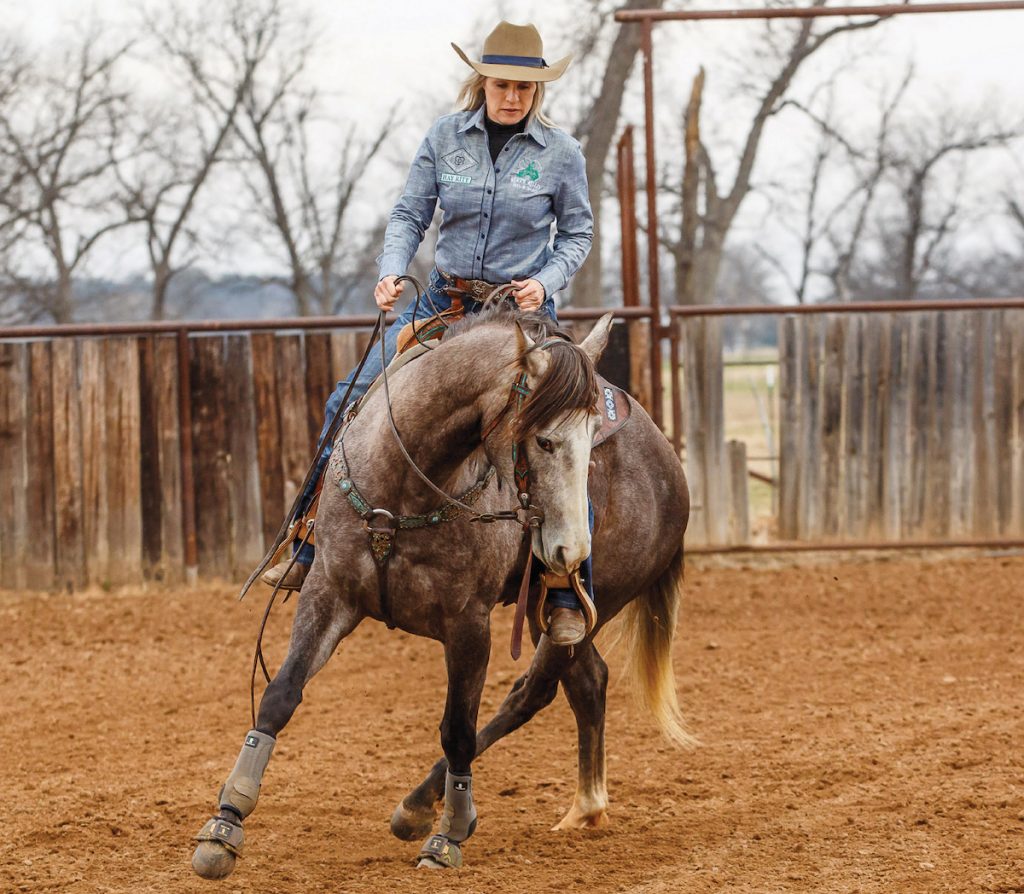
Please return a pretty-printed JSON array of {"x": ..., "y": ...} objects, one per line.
[
  {"x": 523, "y": 341},
  {"x": 594, "y": 344}
]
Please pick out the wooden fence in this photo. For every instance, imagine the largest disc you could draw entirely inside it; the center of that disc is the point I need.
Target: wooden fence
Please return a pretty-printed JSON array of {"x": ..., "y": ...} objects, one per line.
[
  {"x": 892, "y": 427},
  {"x": 90, "y": 450}
]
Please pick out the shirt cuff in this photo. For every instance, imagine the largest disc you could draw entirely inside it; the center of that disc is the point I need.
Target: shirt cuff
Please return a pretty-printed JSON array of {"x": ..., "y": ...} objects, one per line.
[
  {"x": 391, "y": 265},
  {"x": 552, "y": 281}
]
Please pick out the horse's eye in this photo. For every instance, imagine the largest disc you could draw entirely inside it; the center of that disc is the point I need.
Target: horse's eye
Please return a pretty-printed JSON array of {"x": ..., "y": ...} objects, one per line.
[{"x": 545, "y": 444}]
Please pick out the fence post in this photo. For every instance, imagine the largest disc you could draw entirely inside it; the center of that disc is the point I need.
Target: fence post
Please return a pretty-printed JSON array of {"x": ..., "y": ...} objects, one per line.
[
  {"x": 188, "y": 493},
  {"x": 739, "y": 502}
]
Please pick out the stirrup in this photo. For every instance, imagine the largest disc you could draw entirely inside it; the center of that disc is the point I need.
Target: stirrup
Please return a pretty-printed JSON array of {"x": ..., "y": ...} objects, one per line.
[{"x": 551, "y": 581}]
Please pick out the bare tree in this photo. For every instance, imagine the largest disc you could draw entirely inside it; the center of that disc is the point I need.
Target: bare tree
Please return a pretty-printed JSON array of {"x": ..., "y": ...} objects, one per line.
[
  {"x": 599, "y": 123},
  {"x": 707, "y": 208},
  {"x": 279, "y": 127},
  {"x": 60, "y": 134},
  {"x": 928, "y": 220},
  {"x": 830, "y": 224},
  {"x": 179, "y": 147}
]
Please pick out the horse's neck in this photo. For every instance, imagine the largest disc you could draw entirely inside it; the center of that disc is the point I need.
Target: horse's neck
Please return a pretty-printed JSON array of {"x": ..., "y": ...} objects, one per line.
[{"x": 436, "y": 409}]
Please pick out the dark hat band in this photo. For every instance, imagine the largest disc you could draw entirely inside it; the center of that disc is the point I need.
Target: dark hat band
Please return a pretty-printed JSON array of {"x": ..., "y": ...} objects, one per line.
[{"x": 526, "y": 61}]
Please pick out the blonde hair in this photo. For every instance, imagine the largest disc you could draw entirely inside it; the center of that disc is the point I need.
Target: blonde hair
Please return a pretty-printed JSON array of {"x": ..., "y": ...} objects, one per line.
[{"x": 471, "y": 97}]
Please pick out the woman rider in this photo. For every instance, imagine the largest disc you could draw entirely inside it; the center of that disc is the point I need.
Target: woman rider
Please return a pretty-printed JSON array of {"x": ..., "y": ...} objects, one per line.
[{"x": 503, "y": 174}]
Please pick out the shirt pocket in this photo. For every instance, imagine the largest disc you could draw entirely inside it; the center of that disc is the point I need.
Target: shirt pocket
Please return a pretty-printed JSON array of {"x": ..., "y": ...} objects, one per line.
[{"x": 530, "y": 202}]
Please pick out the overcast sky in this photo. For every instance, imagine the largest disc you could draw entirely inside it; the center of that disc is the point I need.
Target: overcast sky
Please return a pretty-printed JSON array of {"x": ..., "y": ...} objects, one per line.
[{"x": 377, "y": 53}]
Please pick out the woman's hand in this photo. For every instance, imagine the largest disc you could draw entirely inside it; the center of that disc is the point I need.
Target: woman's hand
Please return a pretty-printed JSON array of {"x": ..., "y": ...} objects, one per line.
[
  {"x": 386, "y": 293},
  {"x": 529, "y": 294}
]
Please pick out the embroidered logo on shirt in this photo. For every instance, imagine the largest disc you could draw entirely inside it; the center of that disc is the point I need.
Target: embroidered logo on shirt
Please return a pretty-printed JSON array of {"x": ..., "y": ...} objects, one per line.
[
  {"x": 445, "y": 177},
  {"x": 531, "y": 170},
  {"x": 459, "y": 160},
  {"x": 527, "y": 177}
]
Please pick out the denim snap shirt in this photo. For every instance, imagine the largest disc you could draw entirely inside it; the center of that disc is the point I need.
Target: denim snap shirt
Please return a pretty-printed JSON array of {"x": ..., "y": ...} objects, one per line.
[{"x": 497, "y": 218}]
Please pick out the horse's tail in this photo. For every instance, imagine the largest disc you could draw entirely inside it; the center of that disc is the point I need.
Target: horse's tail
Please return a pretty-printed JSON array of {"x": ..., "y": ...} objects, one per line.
[{"x": 648, "y": 629}]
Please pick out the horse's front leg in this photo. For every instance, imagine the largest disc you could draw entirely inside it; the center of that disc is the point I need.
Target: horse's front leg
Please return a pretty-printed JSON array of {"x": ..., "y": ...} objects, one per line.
[
  {"x": 467, "y": 648},
  {"x": 532, "y": 692},
  {"x": 322, "y": 619}
]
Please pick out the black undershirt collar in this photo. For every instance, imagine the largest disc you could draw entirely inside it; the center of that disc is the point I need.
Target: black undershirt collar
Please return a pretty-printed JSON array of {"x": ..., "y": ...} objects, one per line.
[{"x": 499, "y": 134}]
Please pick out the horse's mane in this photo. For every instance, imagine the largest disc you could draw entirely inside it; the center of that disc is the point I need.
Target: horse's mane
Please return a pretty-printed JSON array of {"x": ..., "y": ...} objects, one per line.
[{"x": 569, "y": 383}]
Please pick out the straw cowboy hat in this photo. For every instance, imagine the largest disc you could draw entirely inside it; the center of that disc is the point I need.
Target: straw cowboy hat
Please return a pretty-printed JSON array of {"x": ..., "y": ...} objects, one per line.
[{"x": 515, "y": 53}]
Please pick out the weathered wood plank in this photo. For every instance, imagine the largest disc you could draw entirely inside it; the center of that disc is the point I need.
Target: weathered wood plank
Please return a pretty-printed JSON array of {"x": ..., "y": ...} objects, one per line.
[
  {"x": 165, "y": 408},
  {"x": 319, "y": 382},
  {"x": 716, "y": 466},
  {"x": 962, "y": 440},
  {"x": 941, "y": 391},
  {"x": 344, "y": 357},
  {"x": 810, "y": 522},
  {"x": 40, "y": 559},
  {"x": 268, "y": 434},
  {"x": 1015, "y": 324},
  {"x": 640, "y": 363},
  {"x": 69, "y": 524},
  {"x": 209, "y": 455},
  {"x": 296, "y": 447},
  {"x": 1002, "y": 422},
  {"x": 894, "y": 429},
  {"x": 149, "y": 454},
  {"x": 95, "y": 494},
  {"x": 789, "y": 428},
  {"x": 739, "y": 499},
  {"x": 14, "y": 533},
  {"x": 243, "y": 464},
  {"x": 694, "y": 344},
  {"x": 831, "y": 423},
  {"x": 854, "y": 413},
  {"x": 985, "y": 484},
  {"x": 921, "y": 408},
  {"x": 123, "y": 460},
  {"x": 877, "y": 393}
]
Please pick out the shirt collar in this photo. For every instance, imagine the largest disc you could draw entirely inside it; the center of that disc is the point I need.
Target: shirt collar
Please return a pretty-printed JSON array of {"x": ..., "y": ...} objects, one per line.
[{"x": 534, "y": 129}]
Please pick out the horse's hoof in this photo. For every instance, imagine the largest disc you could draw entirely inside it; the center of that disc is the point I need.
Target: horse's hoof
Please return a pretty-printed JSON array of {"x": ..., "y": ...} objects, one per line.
[
  {"x": 429, "y": 863},
  {"x": 212, "y": 860},
  {"x": 412, "y": 825},
  {"x": 576, "y": 819}
]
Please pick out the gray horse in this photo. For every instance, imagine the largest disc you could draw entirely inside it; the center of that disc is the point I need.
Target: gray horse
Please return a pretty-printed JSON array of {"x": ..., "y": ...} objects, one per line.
[{"x": 456, "y": 407}]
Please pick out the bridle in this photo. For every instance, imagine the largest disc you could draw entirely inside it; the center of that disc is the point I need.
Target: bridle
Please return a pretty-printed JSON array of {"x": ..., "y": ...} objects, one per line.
[{"x": 528, "y": 516}]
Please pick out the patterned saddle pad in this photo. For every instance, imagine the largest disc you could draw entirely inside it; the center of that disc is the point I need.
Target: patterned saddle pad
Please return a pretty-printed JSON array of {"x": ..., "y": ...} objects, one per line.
[{"x": 614, "y": 407}]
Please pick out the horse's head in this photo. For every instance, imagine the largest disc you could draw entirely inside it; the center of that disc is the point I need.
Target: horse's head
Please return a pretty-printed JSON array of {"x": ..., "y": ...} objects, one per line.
[{"x": 555, "y": 427}]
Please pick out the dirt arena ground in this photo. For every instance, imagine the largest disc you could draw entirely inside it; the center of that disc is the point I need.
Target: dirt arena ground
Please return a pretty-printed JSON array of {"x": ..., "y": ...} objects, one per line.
[{"x": 861, "y": 726}]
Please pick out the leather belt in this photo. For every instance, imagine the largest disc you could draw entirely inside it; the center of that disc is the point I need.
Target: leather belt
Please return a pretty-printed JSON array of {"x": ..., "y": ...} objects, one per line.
[{"x": 471, "y": 289}]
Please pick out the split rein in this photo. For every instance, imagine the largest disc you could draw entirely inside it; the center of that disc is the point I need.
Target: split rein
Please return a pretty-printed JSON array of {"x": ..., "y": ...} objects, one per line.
[{"x": 529, "y": 517}]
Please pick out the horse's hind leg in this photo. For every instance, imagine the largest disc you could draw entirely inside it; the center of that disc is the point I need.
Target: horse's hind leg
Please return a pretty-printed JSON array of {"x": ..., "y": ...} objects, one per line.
[
  {"x": 586, "y": 682},
  {"x": 535, "y": 690},
  {"x": 321, "y": 621}
]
